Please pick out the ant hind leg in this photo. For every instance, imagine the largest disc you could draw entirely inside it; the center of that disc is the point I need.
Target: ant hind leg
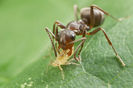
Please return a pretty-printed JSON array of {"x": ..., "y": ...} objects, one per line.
[
  {"x": 106, "y": 13},
  {"x": 109, "y": 42}
]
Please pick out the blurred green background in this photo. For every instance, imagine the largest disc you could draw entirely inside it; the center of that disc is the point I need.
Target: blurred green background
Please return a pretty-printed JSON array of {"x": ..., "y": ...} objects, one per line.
[{"x": 24, "y": 43}]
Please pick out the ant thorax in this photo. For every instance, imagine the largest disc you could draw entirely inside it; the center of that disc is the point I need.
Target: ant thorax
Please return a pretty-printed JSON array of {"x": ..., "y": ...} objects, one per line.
[
  {"x": 62, "y": 57},
  {"x": 77, "y": 26}
]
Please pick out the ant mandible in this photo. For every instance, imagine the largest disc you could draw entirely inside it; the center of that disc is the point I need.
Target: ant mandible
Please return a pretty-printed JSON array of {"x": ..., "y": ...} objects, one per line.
[{"x": 91, "y": 17}]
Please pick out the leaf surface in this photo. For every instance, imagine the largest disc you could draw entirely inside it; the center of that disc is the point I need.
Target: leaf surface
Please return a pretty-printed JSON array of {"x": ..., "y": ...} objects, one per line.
[{"x": 26, "y": 50}]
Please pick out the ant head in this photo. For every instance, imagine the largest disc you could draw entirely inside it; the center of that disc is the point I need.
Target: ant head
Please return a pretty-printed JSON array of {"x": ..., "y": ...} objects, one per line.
[{"x": 66, "y": 36}]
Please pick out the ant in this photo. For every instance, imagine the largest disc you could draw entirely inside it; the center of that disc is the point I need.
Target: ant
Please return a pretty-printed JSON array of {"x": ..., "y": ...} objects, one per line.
[{"x": 91, "y": 17}]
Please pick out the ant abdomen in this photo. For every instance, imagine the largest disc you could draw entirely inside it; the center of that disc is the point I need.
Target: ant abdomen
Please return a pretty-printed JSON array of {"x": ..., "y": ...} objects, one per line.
[{"x": 97, "y": 18}]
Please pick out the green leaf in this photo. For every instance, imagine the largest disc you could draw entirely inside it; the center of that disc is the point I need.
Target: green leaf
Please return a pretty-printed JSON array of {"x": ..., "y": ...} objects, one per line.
[{"x": 26, "y": 49}]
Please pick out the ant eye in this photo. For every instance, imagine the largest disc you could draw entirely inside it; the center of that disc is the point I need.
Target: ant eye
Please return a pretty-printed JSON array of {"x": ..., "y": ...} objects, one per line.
[
  {"x": 88, "y": 28},
  {"x": 73, "y": 36}
]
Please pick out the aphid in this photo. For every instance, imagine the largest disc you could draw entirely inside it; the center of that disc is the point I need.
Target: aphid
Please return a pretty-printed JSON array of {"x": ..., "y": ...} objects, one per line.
[
  {"x": 62, "y": 59},
  {"x": 91, "y": 17}
]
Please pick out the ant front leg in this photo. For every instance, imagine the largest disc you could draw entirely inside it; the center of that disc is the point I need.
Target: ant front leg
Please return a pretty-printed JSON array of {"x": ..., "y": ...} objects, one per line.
[
  {"x": 84, "y": 33},
  {"x": 55, "y": 29},
  {"x": 80, "y": 45},
  {"x": 49, "y": 32},
  {"x": 82, "y": 42},
  {"x": 110, "y": 43},
  {"x": 106, "y": 13}
]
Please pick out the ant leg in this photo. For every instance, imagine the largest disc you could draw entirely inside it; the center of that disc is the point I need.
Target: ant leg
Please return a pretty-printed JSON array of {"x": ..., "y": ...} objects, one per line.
[
  {"x": 92, "y": 22},
  {"x": 49, "y": 32},
  {"x": 76, "y": 10},
  {"x": 59, "y": 24},
  {"x": 110, "y": 43},
  {"x": 62, "y": 73},
  {"x": 94, "y": 6},
  {"x": 55, "y": 28},
  {"x": 83, "y": 38},
  {"x": 81, "y": 45},
  {"x": 82, "y": 42},
  {"x": 58, "y": 49}
]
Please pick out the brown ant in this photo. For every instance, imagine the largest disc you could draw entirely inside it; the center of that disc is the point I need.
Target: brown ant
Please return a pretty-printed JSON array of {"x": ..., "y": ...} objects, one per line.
[{"x": 91, "y": 17}]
